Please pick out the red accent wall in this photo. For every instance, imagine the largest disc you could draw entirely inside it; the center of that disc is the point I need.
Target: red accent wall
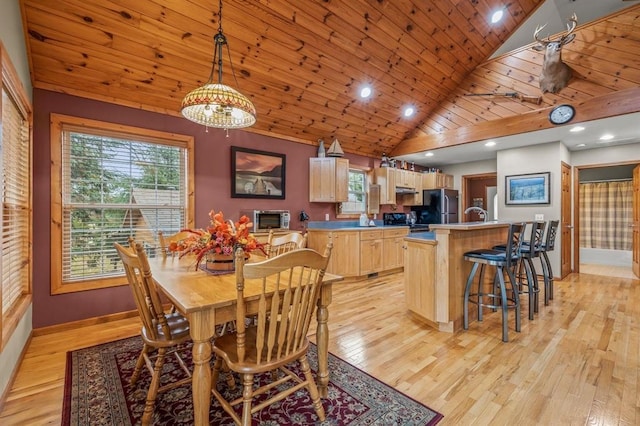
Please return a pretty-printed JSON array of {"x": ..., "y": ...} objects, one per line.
[{"x": 212, "y": 189}]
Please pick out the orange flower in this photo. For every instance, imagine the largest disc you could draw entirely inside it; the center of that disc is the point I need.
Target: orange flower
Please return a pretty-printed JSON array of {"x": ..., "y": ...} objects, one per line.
[{"x": 221, "y": 237}]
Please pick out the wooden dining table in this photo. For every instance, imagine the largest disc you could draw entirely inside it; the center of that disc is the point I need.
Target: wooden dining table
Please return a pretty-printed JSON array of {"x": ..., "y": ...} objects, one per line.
[{"x": 209, "y": 299}]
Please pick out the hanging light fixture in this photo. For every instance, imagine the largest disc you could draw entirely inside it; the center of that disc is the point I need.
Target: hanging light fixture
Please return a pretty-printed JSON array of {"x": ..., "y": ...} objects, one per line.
[{"x": 215, "y": 104}]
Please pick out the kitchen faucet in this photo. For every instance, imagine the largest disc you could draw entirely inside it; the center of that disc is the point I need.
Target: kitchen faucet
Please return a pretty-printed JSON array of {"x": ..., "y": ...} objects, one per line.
[{"x": 483, "y": 213}]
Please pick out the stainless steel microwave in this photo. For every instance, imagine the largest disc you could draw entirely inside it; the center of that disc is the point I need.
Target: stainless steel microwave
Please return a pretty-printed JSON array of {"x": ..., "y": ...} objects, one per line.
[{"x": 265, "y": 220}]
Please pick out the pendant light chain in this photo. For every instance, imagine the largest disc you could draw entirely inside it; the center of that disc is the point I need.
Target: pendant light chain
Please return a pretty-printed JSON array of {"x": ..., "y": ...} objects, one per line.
[{"x": 215, "y": 104}]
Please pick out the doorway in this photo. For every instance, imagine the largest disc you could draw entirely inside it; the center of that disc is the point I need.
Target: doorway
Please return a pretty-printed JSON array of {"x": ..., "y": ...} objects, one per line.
[
  {"x": 603, "y": 216},
  {"x": 478, "y": 191}
]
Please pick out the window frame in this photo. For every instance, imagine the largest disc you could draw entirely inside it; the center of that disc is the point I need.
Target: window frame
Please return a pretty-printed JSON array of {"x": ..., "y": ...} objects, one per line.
[
  {"x": 10, "y": 82},
  {"x": 58, "y": 124},
  {"x": 340, "y": 214}
]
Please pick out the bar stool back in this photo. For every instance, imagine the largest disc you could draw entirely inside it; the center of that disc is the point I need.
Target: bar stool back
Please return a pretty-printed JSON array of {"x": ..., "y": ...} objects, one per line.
[
  {"x": 503, "y": 261},
  {"x": 547, "y": 272},
  {"x": 530, "y": 250}
]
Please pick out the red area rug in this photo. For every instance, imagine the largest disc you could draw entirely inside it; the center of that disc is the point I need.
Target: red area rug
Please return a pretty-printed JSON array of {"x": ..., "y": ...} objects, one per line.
[{"x": 97, "y": 392}]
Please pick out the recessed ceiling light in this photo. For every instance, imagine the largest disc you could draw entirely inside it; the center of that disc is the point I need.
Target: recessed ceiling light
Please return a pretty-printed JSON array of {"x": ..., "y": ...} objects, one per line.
[
  {"x": 581, "y": 145},
  {"x": 429, "y": 154},
  {"x": 490, "y": 143},
  {"x": 497, "y": 16},
  {"x": 576, "y": 129},
  {"x": 409, "y": 111},
  {"x": 365, "y": 92},
  {"x": 606, "y": 137}
]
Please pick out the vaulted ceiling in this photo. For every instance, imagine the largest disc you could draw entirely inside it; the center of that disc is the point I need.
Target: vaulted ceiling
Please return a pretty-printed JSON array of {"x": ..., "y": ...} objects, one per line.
[{"x": 302, "y": 63}]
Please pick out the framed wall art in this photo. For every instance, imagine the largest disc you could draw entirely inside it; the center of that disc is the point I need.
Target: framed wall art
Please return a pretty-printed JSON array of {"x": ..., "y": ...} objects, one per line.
[
  {"x": 527, "y": 189},
  {"x": 257, "y": 174}
]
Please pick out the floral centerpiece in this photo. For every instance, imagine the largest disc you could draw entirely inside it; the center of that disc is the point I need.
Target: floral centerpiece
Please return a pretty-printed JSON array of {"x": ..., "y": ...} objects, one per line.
[{"x": 220, "y": 238}]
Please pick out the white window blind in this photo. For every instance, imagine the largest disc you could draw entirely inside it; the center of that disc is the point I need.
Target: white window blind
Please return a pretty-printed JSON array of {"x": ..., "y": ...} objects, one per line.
[
  {"x": 115, "y": 186},
  {"x": 16, "y": 203},
  {"x": 357, "y": 193}
]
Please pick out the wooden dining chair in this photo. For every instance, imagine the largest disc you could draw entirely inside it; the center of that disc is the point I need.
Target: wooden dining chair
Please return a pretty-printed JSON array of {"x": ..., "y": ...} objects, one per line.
[
  {"x": 285, "y": 243},
  {"x": 289, "y": 288},
  {"x": 164, "y": 241},
  {"x": 162, "y": 333}
]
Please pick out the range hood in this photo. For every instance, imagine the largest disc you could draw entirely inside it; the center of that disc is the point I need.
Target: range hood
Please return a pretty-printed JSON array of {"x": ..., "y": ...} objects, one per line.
[{"x": 403, "y": 190}]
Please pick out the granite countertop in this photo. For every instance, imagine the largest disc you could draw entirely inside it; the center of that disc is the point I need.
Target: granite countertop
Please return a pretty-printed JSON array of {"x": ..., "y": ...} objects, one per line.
[
  {"x": 421, "y": 236},
  {"x": 335, "y": 227},
  {"x": 465, "y": 226}
]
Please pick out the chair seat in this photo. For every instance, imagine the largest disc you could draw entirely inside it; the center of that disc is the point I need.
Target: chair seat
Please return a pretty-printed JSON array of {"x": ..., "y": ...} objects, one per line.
[
  {"x": 489, "y": 256},
  {"x": 225, "y": 345}
]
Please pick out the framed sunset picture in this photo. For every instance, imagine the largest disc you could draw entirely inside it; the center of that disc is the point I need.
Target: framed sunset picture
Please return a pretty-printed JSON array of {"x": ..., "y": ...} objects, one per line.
[{"x": 257, "y": 174}]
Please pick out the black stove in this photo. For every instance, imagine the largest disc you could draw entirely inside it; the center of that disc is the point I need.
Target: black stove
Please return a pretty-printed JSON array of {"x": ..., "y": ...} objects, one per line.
[{"x": 402, "y": 219}]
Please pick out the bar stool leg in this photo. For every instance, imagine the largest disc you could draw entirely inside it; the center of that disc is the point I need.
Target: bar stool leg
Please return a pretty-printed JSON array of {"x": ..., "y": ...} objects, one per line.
[
  {"x": 548, "y": 292},
  {"x": 480, "y": 292},
  {"x": 467, "y": 291},
  {"x": 503, "y": 299},
  {"x": 516, "y": 297}
]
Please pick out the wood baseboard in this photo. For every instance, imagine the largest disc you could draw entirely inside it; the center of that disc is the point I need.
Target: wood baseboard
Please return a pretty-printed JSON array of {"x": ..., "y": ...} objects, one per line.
[{"x": 83, "y": 323}]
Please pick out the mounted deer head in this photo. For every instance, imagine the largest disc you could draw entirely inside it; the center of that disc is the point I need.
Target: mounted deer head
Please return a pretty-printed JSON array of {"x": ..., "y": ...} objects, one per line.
[{"x": 555, "y": 73}]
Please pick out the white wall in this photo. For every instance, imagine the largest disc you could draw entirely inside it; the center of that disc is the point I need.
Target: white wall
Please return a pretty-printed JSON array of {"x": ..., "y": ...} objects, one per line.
[
  {"x": 608, "y": 155},
  {"x": 533, "y": 159},
  {"x": 12, "y": 38}
]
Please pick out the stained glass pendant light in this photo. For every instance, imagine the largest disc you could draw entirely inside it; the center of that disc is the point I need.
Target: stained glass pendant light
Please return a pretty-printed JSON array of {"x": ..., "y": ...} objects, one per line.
[{"x": 215, "y": 104}]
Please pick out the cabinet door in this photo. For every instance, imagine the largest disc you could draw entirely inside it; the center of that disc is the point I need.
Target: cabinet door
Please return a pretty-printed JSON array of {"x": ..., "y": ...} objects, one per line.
[
  {"x": 393, "y": 251},
  {"x": 371, "y": 253},
  {"x": 328, "y": 180},
  {"x": 405, "y": 178},
  {"x": 322, "y": 180},
  {"x": 345, "y": 254},
  {"x": 386, "y": 178},
  {"x": 419, "y": 279},
  {"x": 429, "y": 181}
]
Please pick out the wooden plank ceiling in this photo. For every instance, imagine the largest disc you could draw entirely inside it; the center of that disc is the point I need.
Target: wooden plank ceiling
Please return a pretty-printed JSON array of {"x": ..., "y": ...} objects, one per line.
[{"x": 302, "y": 63}]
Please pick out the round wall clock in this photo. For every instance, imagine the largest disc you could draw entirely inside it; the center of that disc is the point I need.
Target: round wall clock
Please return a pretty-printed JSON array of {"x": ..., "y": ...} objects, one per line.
[{"x": 562, "y": 114}]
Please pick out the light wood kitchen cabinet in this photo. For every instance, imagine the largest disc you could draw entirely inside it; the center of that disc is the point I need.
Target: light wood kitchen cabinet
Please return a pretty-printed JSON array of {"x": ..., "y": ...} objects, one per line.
[
  {"x": 386, "y": 178},
  {"x": 345, "y": 254},
  {"x": 416, "y": 198},
  {"x": 436, "y": 180},
  {"x": 371, "y": 251},
  {"x": 420, "y": 278},
  {"x": 360, "y": 252},
  {"x": 328, "y": 180},
  {"x": 393, "y": 247},
  {"x": 405, "y": 178}
]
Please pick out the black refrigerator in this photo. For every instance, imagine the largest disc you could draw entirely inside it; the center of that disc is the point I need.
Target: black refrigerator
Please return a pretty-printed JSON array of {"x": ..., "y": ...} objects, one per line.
[{"x": 438, "y": 206}]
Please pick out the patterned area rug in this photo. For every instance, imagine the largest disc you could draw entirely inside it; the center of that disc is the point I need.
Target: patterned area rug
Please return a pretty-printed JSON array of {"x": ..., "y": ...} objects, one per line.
[{"x": 97, "y": 392}]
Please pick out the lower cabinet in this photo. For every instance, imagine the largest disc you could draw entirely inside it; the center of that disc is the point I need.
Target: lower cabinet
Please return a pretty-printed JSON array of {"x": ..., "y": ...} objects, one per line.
[
  {"x": 345, "y": 254},
  {"x": 371, "y": 252},
  {"x": 420, "y": 277},
  {"x": 359, "y": 253},
  {"x": 393, "y": 247}
]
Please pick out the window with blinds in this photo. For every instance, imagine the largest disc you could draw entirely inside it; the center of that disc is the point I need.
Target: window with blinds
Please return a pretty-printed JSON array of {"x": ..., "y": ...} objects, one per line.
[
  {"x": 16, "y": 203},
  {"x": 115, "y": 185},
  {"x": 16, "y": 178},
  {"x": 357, "y": 193}
]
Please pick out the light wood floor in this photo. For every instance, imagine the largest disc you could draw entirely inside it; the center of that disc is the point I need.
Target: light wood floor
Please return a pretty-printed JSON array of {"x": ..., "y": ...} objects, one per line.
[{"x": 577, "y": 363}]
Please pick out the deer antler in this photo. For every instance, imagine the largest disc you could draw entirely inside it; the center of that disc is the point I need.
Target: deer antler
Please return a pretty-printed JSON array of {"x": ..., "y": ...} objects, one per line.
[
  {"x": 571, "y": 25},
  {"x": 535, "y": 35}
]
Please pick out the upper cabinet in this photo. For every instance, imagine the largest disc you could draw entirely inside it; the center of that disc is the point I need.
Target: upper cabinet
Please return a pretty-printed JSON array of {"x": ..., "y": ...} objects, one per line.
[
  {"x": 436, "y": 180},
  {"x": 386, "y": 178},
  {"x": 328, "y": 180}
]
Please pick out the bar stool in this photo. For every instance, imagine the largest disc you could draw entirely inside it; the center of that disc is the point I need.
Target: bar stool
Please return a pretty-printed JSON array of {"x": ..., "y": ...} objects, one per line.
[
  {"x": 530, "y": 250},
  {"x": 547, "y": 272},
  {"x": 504, "y": 261}
]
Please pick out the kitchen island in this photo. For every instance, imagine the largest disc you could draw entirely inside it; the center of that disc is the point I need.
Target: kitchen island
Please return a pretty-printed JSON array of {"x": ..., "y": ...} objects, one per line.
[{"x": 436, "y": 272}]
